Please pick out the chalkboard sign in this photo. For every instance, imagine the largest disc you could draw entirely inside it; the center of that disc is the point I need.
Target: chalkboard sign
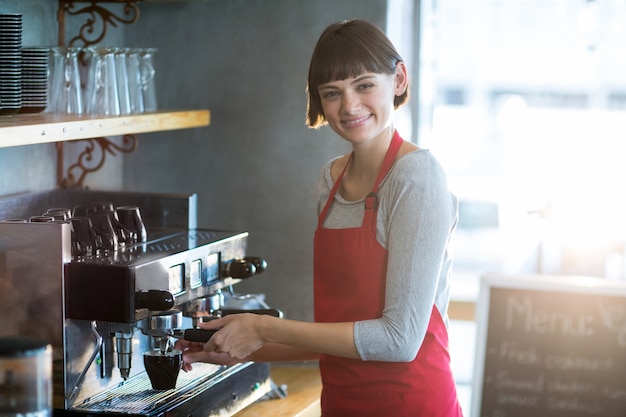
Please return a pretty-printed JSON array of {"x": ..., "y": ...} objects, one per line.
[{"x": 550, "y": 347}]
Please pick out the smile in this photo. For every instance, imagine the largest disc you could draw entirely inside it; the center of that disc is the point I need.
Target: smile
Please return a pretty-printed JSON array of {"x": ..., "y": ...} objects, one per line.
[{"x": 357, "y": 121}]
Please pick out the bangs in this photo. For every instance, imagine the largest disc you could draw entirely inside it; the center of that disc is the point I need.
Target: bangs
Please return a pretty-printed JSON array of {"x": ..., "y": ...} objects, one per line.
[{"x": 344, "y": 57}]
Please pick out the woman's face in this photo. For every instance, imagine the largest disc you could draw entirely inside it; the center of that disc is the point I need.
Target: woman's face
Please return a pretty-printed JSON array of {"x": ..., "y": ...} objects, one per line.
[{"x": 360, "y": 109}]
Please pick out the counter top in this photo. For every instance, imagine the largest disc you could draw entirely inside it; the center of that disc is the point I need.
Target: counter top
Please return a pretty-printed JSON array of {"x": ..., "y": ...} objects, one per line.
[{"x": 303, "y": 394}]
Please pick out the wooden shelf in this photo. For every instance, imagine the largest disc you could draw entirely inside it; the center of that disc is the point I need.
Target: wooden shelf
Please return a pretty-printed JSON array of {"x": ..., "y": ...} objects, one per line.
[{"x": 25, "y": 129}]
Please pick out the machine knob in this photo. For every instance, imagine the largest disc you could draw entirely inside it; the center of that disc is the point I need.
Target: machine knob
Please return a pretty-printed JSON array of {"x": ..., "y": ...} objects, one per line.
[
  {"x": 259, "y": 263},
  {"x": 238, "y": 268},
  {"x": 154, "y": 300}
]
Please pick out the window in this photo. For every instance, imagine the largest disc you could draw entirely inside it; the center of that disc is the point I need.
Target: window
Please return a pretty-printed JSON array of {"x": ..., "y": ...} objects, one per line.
[{"x": 524, "y": 103}]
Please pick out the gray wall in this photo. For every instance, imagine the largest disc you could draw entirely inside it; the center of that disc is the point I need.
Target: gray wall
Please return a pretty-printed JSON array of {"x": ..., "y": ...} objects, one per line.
[{"x": 255, "y": 166}]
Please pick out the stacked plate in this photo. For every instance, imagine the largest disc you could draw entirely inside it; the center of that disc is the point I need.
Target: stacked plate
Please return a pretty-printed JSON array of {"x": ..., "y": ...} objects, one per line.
[
  {"x": 10, "y": 63},
  {"x": 34, "y": 79}
]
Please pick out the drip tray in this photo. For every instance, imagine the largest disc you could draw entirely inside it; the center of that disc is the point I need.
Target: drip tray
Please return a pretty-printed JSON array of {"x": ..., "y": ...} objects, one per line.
[{"x": 209, "y": 388}]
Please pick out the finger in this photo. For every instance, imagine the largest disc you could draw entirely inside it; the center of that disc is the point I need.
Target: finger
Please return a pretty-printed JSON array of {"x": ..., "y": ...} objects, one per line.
[
  {"x": 210, "y": 346},
  {"x": 189, "y": 347},
  {"x": 181, "y": 344},
  {"x": 207, "y": 357},
  {"x": 216, "y": 343},
  {"x": 212, "y": 324},
  {"x": 220, "y": 359},
  {"x": 191, "y": 356}
]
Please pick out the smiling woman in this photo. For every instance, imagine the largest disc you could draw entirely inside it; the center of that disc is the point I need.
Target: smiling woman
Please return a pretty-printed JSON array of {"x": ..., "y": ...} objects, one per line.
[{"x": 381, "y": 262}]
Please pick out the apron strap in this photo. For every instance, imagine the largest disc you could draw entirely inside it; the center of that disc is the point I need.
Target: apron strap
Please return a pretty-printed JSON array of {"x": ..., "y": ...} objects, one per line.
[
  {"x": 371, "y": 200},
  {"x": 331, "y": 197}
]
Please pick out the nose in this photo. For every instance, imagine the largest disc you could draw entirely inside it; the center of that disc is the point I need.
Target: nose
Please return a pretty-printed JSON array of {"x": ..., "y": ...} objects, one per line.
[{"x": 350, "y": 102}]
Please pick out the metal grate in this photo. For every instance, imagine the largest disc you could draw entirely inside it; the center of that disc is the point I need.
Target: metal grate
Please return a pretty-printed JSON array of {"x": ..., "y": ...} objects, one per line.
[{"x": 136, "y": 395}]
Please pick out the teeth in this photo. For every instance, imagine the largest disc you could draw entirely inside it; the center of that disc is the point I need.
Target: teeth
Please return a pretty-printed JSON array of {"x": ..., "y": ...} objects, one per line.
[{"x": 353, "y": 122}]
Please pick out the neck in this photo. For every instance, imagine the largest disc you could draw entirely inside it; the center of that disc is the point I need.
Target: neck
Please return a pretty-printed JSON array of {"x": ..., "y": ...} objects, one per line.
[
  {"x": 363, "y": 170},
  {"x": 369, "y": 156}
]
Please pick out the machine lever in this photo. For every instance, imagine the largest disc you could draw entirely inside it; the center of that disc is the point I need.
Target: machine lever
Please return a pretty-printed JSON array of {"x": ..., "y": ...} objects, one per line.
[
  {"x": 194, "y": 335},
  {"x": 155, "y": 300},
  {"x": 267, "y": 311}
]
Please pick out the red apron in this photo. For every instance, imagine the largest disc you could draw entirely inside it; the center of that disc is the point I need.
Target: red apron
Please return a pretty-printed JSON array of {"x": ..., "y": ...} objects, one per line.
[{"x": 349, "y": 283}]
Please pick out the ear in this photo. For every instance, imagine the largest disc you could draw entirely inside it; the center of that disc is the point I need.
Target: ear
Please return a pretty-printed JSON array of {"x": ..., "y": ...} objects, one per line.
[{"x": 401, "y": 79}]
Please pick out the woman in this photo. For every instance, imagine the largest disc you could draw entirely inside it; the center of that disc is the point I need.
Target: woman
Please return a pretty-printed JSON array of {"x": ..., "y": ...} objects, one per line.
[{"x": 381, "y": 267}]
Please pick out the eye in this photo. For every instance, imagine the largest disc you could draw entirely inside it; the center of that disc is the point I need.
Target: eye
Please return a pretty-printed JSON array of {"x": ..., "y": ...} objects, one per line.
[
  {"x": 366, "y": 86},
  {"x": 330, "y": 94}
]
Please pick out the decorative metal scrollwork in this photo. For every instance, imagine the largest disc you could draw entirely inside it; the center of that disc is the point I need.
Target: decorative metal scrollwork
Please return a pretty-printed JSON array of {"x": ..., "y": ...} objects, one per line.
[
  {"x": 87, "y": 161},
  {"x": 98, "y": 17}
]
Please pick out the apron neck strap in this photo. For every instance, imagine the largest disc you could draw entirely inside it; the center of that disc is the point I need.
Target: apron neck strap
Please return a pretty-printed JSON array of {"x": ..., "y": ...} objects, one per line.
[
  {"x": 331, "y": 197},
  {"x": 371, "y": 200}
]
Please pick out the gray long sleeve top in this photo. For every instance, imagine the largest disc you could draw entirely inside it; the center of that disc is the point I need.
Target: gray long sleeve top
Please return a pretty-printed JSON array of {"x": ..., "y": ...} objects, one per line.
[{"x": 416, "y": 218}]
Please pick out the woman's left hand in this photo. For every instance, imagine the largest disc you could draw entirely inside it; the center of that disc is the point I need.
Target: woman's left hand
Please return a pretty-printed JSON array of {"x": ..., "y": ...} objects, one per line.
[{"x": 238, "y": 335}]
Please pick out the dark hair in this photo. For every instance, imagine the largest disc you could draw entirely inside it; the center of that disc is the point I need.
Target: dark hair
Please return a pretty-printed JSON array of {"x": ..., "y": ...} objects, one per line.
[{"x": 348, "y": 49}]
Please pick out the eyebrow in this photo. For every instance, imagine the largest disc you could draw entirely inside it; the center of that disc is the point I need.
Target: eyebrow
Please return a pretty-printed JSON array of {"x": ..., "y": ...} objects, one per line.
[{"x": 355, "y": 81}]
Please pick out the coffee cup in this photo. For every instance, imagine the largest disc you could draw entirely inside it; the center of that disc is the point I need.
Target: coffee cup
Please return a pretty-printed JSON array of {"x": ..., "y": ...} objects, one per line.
[{"x": 163, "y": 368}]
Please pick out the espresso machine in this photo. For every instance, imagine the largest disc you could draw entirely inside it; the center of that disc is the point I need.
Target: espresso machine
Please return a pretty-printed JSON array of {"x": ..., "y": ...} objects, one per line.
[{"x": 112, "y": 316}]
